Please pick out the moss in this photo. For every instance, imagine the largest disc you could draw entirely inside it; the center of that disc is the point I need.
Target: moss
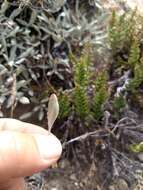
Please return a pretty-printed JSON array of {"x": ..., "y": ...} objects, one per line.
[{"x": 136, "y": 148}]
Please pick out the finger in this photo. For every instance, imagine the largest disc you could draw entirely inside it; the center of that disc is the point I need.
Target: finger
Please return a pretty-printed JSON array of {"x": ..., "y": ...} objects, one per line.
[
  {"x": 22, "y": 154},
  {"x": 16, "y": 125},
  {"x": 13, "y": 184}
]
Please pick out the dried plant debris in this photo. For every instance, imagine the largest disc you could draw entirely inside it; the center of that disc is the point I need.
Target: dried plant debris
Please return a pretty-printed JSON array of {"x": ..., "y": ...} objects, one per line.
[{"x": 50, "y": 6}]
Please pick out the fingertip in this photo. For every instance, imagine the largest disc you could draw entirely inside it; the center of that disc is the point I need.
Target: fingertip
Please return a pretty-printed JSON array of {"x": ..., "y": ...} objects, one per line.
[
  {"x": 49, "y": 147},
  {"x": 29, "y": 153}
]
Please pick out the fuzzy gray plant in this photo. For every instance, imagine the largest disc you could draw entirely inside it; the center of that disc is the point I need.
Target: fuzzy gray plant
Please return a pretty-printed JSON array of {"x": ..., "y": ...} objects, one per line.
[{"x": 35, "y": 41}]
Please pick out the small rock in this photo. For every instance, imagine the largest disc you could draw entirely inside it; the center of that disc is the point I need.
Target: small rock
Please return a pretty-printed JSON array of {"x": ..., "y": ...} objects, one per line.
[
  {"x": 111, "y": 187},
  {"x": 73, "y": 177},
  {"x": 140, "y": 157},
  {"x": 120, "y": 184}
]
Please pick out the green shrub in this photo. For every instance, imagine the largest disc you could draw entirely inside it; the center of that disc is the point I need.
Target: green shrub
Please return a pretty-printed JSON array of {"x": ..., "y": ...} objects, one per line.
[
  {"x": 81, "y": 81},
  {"x": 65, "y": 105},
  {"x": 100, "y": 94},
  {"x": 121, "y": 30},
  {"x": 134, "y": 54},
  {"x": 119, "y": 103},
  {"x": 134, "y": 61},
  {"x": 84, "y": 105},
  {"x": 80, "y": 102},
  {"x": 136, "y": 147},
  {"x": 124, "y": 38}
]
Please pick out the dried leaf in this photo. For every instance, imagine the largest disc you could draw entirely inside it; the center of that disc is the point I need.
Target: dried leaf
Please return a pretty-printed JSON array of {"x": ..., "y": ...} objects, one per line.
[{"x": 53, "y": 110}]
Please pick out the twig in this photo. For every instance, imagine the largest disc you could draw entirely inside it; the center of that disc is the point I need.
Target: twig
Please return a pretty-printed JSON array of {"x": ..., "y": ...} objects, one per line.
[
  {"x": 107, "y": 116},
  {"x": 84, "y": 136},
  {"x": 115, "y": 170},
  {"x": 127, "y": 159},
  {"x": 121, "y": 79},
  {"x": 122, "y": 120}
]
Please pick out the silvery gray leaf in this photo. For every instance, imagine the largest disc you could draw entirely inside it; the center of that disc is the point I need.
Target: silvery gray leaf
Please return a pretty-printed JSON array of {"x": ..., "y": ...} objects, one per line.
[
  {"x": 41, "y": 115},
  {"x": 24, "y": 100},
  {"x": 15, "y": 13},
  {"x": 25, "y": 115},
  {"x": 55, "y": 5},
  {"x": 9, "y": 102},
  {"x": 1, "y": 114},
  {"x": 4, "y": 6},
  {"x": 2, "y": 99},
  {"x": 31, "y": 93},
  {"x": 53, "y": 110},
  {"x": 22, "y": 83}
]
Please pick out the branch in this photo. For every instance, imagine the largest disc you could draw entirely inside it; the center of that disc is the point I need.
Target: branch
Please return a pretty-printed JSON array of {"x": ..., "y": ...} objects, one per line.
[{"x": 84, "y": 136}]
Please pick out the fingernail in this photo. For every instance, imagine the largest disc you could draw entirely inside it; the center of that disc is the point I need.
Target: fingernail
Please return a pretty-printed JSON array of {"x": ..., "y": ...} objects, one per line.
[{"x": 49, "y": 147}]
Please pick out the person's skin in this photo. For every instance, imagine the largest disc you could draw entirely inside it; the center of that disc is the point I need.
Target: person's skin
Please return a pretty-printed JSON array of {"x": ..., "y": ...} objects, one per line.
[{"x": 24, "y": 149}]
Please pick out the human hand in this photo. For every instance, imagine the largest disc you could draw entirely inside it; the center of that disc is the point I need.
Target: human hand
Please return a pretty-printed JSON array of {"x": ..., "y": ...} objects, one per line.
[{"x": 24, "y": 149}]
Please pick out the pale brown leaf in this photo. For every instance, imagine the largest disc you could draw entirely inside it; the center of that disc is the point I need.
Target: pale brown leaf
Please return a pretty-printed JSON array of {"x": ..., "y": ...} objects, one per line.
[{"x": 53, "y": 110}]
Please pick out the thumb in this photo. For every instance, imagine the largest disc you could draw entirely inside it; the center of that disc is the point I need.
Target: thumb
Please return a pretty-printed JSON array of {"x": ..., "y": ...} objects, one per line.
[{"x": 22, "y": 154}]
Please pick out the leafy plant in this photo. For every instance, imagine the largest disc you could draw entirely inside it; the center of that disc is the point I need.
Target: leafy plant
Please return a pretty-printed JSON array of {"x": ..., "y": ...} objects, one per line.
[
  {"x": 100, "y": 94},
  {"x": 81, "y": 68},
  {"x": 136, "y": 147},
  {"x": 65, "y": 105},
  {"x": 136, "y": 81},
  {"x": 81, "y": 101},
  {"x": 134, "y": 55},
  {"x": 81, "y": 80},
  {"x": 134, "y": 61},
  {"x": 124, "y": 38},
  {"x": 122, "y": 30},
  {"x": 119, "y": 103}
]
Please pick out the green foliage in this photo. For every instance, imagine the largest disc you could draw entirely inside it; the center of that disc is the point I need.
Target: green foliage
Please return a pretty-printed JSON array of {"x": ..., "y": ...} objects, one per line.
[
  {"x": 81, "y": 80},
  {"x": 121, "y": 30},
  {"x": 100, "y": 94},
  {"x": 64, "y": 103},
  {"x": 124, "y": 35},
  {"x": 137, "y": 67},
  {"x": 136, "y": 148},
  {"x": 119, "y": 103},
  {"x": 84, "y": 105},
  {"x": 81, "y": 67},
  {"x": 81, "y": 72},
  {"x": 134, "y": 54},
  {"x": 81, "y": 101},
  {"x": 137, "y": 79}
]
